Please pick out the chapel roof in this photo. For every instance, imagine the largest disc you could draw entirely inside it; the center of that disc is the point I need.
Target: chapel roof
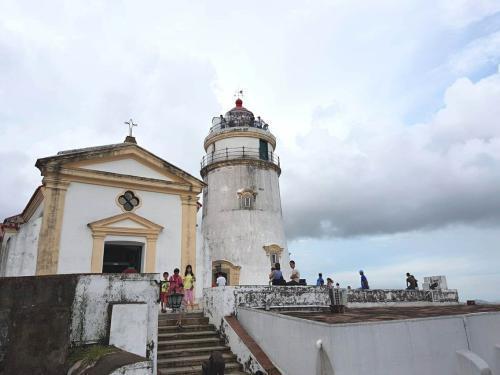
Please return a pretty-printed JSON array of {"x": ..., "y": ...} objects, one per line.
[{"x": 88, "y": 153}]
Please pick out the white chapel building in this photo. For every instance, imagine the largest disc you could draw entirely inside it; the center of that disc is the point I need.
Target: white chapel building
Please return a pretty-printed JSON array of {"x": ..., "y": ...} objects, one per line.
[
  {"x": 104, "y": 209},
  {"x": 108, "y": 208}
]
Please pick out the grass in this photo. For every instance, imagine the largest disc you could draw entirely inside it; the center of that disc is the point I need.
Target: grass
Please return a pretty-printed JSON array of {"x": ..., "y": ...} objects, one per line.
[{"x": 90, "y": 353}]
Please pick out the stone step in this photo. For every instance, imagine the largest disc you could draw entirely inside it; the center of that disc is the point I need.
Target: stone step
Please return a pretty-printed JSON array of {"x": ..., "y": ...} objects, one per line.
[
  {"x": 190, "y": 343},
  {"x": 182, "y": 334},
  {"x": 183, "y": 352},
  {"x": 231, "y": 368},
  {"x": 170, "y": 315},
  {"x": 187, "y": 328},
  {"x": 193, "y": 360},
  {"x": 185, "y": 321}
]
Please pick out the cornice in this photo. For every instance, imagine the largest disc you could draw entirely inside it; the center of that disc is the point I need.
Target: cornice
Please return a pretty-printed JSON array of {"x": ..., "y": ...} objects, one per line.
[
  {"x": 253, "y": 162},
  {"x": 240, "y": 132}
]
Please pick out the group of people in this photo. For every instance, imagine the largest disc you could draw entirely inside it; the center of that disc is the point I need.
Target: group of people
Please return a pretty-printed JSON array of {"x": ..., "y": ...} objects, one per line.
[
  {"x": 276, "y": 276},
  {"x": 177, "y": 284},
  {"x": 411, "y": 281}
]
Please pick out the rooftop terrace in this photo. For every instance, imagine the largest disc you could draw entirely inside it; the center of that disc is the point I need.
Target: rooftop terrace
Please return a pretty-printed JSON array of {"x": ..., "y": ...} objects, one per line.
[{"x": 374, "y": 314}]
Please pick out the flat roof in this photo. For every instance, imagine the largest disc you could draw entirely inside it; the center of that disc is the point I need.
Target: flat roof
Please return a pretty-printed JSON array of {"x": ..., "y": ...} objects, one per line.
[{"x": 374, "y": 314}]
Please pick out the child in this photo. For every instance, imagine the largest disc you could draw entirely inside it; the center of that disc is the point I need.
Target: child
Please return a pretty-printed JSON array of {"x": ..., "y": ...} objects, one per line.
[
  {"x": 175, "y": 282},
  {"x": 175, "y": 287},
  {"x": 164, "y": 285},
  {"x": 188, "y": 282}
]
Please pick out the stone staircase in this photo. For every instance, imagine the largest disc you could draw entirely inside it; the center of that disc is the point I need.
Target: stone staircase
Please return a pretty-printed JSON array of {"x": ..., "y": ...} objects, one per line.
[{"x": 182, "y": 351}]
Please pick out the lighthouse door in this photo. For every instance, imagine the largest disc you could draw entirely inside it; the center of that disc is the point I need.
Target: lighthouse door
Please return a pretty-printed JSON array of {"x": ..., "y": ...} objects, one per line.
[{"x": 263, "y": 150}]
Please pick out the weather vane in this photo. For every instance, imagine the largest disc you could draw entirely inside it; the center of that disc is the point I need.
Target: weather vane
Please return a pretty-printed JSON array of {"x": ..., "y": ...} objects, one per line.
[
  {"x": 238, "y": 94},
  {"x": 130, "y": 124}
]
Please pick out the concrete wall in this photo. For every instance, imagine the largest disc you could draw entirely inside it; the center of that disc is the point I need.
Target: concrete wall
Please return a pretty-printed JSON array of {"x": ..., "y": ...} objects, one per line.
[
  {"x": 413, "y": 347},
  {"x": 42, "y": 317},
  {"x": 88, "y": 203},
  {"x": 19, "y": 251},
  {"x": 223, "y": 301},
  {"x": 238, "y": 235}
]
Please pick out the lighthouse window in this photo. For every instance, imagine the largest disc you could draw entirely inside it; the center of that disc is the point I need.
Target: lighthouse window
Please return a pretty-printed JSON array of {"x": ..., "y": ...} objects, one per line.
[
  {"x": 246, "y": 198},
  {"x": 247, "y": 202}
]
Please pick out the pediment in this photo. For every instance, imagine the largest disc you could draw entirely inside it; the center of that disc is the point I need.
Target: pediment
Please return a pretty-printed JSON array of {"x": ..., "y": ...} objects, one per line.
[
  {"x": 123, "y": 159},
  {"x": 126, "y": 221}
]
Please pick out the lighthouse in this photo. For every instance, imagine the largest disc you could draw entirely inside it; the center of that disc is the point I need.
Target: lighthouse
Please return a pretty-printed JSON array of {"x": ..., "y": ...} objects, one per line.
[{"x": 242, "y": 224}]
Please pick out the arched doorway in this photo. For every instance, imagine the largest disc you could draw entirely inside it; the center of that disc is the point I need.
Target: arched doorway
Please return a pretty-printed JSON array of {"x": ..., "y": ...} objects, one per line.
[{"x": 230, "y": 271}]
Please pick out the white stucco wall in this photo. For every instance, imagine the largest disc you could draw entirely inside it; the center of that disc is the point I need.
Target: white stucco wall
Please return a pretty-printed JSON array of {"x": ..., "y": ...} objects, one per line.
[
  {"x": 413, "y": 347},
  {"x": 87, "y": 203},
  {"x": 21, "y": 255},
  {"x": 238, "y": 235},
  {"x": 127, "y": 166},
  {"x": 94, "y": 294}
]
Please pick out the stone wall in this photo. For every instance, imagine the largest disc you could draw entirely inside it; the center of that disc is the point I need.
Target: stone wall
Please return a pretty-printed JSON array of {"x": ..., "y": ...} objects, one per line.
[
  {"x": 223, "y": 301},
  {"x": 42, "y": 317}
]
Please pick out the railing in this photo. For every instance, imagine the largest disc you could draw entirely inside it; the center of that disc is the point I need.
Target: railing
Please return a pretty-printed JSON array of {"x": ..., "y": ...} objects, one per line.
[
  {"x": 239, "y": 153},
  {"x": 220, "y": 123}
]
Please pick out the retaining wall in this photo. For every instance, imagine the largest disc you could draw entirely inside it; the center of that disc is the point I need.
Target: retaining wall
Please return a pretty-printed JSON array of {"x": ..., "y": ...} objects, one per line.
[{"x": 412, "y": 347}]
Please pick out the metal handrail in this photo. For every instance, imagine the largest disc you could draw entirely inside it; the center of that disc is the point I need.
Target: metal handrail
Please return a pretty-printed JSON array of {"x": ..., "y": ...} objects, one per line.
[
  {"x": 232, "y": 153},
  {"x": 220, "y": 123}
]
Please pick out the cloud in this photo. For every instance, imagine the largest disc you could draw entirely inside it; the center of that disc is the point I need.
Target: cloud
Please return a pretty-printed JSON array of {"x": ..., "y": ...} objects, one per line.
[{"x": 396, "y": 178}]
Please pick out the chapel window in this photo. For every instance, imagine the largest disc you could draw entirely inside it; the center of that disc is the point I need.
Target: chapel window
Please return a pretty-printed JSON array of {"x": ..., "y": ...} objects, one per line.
[{"x": 128, "y": 200}]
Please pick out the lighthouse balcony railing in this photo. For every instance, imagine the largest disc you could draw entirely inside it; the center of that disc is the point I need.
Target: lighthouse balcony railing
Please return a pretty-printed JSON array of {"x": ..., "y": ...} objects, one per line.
[
  {"x": 221, "y": 123},
  {"x": 233, "y": 153}
]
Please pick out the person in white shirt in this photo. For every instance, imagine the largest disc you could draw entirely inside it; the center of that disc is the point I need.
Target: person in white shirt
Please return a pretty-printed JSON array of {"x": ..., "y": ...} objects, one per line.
[
  {"x": 221, "y": 280},
  {"x": 295, "y": 276}
]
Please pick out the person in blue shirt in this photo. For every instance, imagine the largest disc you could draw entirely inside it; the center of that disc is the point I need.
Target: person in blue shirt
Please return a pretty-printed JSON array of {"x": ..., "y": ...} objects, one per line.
[
  {"x": 320, "y": 281},
  {"x": 364, "y": 281}
]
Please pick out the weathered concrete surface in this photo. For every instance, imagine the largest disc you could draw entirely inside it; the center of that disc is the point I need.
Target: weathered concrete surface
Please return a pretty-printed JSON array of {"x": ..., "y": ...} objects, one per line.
[
  {"x": 42, "y": 316},
  {"x": 239, "y": 348},
  {"x": 362, "y": 298},
  {"x": 121, "y": 363},
  {"x": 129, "y": 327},
  {"x": 34, "y": 326},
  {"x": 222, "y": 301},
  {"x": 94, "y": 296},
  {"x": 412, "y": 346}
]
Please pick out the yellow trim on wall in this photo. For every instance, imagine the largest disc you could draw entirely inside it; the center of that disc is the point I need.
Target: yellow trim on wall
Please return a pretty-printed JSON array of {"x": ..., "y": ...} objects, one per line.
[
  {"x": 188, "y": 236},
  {"x": 54, "y": 193},
  {"x": 229, "y": 268},
  {"x": 102, "y": 228}
]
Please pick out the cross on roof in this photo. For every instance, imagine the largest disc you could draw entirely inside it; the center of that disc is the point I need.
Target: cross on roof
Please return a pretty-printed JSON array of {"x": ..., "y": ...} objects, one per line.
[{"x": 130, "y": 124}]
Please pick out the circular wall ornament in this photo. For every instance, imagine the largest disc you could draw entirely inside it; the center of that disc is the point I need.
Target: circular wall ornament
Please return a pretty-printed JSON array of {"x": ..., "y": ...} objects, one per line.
[{"x": 128, "y": 200}]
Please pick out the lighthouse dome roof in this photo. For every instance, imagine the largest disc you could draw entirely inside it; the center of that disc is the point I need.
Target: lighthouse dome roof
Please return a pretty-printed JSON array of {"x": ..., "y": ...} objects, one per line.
[{"x": 239, "y": 115}]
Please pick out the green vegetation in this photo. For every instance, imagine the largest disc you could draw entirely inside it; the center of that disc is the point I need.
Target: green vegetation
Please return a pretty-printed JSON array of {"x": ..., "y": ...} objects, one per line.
[{"x": 90, "y": 354}]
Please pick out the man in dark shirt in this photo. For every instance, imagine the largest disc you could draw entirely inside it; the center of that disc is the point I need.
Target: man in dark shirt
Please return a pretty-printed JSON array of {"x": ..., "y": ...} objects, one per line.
[{"x": 411, "y": 282}]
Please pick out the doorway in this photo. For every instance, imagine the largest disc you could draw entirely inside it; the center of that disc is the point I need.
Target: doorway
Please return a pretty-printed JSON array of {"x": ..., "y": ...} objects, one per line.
[{"x": 118, "y": 257}]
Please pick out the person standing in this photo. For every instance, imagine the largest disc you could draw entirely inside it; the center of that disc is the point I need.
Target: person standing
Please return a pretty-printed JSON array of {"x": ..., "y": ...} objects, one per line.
[
  {"x": 320, "y": 281},
  {"x": 188, "y": 281},
  {"x": 221, "y": 280},
  {"x": 411, "y": 282},
  {"x": 364, "y": 280},
  {"x": 295, "y": 276},
  {"x": 175, "y": 282},
  {"x": 164, "y": 292}
]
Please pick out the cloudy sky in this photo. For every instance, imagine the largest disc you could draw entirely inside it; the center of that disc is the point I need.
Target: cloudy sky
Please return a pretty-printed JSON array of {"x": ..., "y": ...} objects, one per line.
[{"x": 387, "y": 115}]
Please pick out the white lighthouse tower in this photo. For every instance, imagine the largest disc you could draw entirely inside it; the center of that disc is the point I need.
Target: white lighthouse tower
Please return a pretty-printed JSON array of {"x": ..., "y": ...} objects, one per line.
[{"x": 242, "y": 224}]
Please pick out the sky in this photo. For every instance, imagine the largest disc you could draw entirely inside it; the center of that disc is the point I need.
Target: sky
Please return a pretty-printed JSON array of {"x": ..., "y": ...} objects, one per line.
[{"x": 387, "y": 115}]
